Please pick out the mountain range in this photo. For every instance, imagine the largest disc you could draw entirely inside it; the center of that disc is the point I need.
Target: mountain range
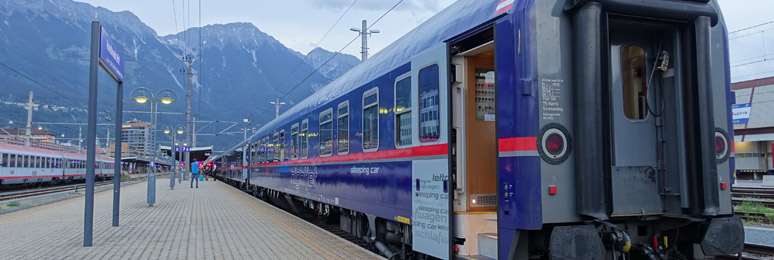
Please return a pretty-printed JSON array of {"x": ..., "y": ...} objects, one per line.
[{"x": 237, "y": 68}]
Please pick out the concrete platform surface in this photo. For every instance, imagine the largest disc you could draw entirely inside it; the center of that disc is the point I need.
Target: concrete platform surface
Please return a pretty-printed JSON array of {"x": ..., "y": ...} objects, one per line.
[{"x": 214, "y": 221}]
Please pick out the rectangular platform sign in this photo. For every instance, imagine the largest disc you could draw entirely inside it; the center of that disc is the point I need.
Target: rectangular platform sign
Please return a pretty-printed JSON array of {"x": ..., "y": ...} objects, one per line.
[
  {"x": 430, "y": 207},
  {"x": 741, "y": 113},
  {"x": 109, "y": 58}
]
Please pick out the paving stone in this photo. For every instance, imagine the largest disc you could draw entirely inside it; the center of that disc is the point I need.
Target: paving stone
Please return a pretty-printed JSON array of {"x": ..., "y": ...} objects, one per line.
[{"x": 214, "y": 221}]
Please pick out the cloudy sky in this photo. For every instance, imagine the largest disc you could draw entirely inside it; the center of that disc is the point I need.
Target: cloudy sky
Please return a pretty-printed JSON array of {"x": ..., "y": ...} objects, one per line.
[{"x": 300, "y": 24}]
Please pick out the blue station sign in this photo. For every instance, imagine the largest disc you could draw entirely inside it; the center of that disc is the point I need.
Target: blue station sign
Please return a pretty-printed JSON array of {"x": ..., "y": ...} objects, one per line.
[
  {"x": 741, "y": 113},
  {"x": 109, "y": 58}
]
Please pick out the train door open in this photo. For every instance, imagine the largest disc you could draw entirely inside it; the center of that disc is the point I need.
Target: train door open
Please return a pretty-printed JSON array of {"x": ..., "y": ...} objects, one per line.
[
  {"x": 474, "y": 142},
  {"x": 431, "y": 186}
]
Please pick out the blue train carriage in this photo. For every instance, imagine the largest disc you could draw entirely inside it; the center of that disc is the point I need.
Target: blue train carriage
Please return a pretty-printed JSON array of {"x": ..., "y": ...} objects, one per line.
[{"x": 579, "y": 129}]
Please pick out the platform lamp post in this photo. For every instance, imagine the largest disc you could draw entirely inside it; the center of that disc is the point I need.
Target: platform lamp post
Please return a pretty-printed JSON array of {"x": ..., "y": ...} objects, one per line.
[
  {"x": 176, "y": 131},
  {"x": 142, "y": 96}
]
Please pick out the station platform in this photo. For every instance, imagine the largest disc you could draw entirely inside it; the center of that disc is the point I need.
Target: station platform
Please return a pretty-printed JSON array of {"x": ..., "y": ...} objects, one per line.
[{"x": 214, "y": 221}]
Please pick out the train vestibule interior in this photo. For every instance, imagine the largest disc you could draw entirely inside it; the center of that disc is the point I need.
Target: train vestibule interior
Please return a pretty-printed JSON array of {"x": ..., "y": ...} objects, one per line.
[{"x": 473, "y": 139}]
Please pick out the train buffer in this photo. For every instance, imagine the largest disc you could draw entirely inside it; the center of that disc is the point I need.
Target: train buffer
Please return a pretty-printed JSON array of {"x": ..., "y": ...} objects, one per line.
[{"x": 214, "y": 221}]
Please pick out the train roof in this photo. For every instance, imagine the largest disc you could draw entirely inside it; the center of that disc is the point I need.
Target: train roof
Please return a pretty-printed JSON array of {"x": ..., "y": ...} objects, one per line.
[
  {"x": 456, "y": 19},
  {"x": 5, "y": 147}
]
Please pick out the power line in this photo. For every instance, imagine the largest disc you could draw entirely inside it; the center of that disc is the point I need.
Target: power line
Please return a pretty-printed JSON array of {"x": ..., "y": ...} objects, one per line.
[
  {"x": 751, "y": 27},
  {"x": 177, "y": 32},
  {"x": 765, "y": 59},
  {"x": 35, "y": 81},
  {"x": 298, "y": 64},
  {"x": 335, "y": 54},
  {"x": 318, "y": 42},
  {"x": 201, "y": 61},
  {"x": 750, "y": 34},
  {"x": 188, "y": 35}
]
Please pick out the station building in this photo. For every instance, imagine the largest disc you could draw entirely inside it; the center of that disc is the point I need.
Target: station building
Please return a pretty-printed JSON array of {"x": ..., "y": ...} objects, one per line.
[{"x": 753, "y": 116}]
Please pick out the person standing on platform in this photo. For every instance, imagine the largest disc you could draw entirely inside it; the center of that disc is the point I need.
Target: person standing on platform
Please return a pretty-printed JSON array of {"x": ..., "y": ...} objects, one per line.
[{"x": 195, "y": 174}]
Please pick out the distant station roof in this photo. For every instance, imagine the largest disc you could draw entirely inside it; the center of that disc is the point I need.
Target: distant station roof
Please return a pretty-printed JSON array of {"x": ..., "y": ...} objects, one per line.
[{"x": 197, "y": 153}]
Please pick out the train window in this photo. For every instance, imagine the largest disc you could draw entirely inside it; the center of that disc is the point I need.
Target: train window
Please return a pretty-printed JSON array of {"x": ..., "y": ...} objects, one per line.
[
  {"x": 4, "y": 162},
  {"x": 294, "y": 141},
  {"x": 342, "y": 129},
  {"x": 254, "y": 153},
  {"x": 282, "y": 145},
  {"x": 36, "y": 162},
  {"x": 634, "y": 76},
  {"x": 304, "y": 138},
  {"x": 259, "y": 151},
  {"x": 371, "y": 120},
  {"x": 429, "y": 122},
  {"x": 275, "y": 147},
  {"x": 12, "y": 161},
  {"x": 266, "y": 144},
  {"x": 403, "y": 111},
  {"x": 26, "y": 161},
  {"x": 326, "y": 132}
]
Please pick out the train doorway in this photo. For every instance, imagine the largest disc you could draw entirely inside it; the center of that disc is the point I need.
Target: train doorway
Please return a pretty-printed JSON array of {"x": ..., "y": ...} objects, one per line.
[
  {"x": 474, "y": 141},
  {"x": 635, "y": 106}
]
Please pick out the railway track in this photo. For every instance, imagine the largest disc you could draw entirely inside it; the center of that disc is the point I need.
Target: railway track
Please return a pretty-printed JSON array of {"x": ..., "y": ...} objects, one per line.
[
  {"x": 753, "y": 193},
  {"x": 765, "y": 203},
  {"x": 755, "y": 216},
  {"x": 753, "y": 252},
  {"x": 45, "y": 191}
]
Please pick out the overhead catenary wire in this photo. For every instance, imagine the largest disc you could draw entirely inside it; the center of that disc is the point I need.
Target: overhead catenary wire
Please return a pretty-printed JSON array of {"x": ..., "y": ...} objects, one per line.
[
  {"x": 36, "y": 82},
  {"x": 301, "y": 61},
  {"x": 263, "y": 112},
  {"x": 177, "y": 32},
  {"x": 52, "y": 90},
  {"x": 752, "y": 27},
  {"x": 201, "y": 62}
]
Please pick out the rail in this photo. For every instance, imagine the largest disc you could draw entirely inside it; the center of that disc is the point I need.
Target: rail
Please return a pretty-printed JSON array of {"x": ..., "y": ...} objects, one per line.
[{"x": 753, "y": 252}]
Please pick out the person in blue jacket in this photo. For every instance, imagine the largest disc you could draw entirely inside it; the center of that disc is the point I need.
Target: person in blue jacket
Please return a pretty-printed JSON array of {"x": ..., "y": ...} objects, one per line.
[{"x": 195, "y": 174}]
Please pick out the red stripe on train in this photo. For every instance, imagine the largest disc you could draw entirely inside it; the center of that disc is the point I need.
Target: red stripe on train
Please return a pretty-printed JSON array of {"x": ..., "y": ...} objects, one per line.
[
  {"x": 517, "y": 144},
  {"x": 429, "y": 150}
]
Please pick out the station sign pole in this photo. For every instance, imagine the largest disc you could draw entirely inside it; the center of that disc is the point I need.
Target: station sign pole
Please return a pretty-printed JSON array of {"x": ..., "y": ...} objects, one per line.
[
  {"x": 103, "y": 54},
  {"x": 117, "y": 169}
]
